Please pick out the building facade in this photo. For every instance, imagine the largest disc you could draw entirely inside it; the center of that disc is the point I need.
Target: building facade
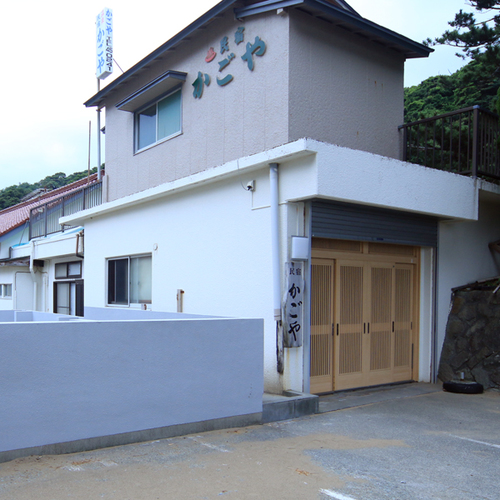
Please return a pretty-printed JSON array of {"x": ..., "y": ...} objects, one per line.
[{"x": 253, "y": 169}]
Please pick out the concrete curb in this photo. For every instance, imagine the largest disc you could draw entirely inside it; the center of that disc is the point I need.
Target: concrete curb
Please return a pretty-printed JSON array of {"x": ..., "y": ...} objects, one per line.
[{"x": 289, "y": 405}]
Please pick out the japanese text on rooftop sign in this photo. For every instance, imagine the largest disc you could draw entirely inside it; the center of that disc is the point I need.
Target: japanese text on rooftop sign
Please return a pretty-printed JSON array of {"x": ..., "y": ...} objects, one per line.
[
  {"x": 257, "y": 47},
  {"x": 104, "y": 44},
  {"x": 292, "y": 322}
]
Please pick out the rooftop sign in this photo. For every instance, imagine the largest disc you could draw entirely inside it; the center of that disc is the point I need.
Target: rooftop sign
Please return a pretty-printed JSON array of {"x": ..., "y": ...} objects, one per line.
[{"x": 104, "y": 44}]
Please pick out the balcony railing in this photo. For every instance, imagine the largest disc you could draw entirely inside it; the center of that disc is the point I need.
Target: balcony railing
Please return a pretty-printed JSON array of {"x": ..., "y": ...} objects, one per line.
[
  {"x": 44, "y": 219},
  {"x": 466, "y": 142}
]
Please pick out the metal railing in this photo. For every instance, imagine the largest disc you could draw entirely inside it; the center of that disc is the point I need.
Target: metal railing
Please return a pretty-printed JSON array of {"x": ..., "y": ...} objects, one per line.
[
  {"x": 465, "y": 141},
  {"x": 44, "y": 219}
]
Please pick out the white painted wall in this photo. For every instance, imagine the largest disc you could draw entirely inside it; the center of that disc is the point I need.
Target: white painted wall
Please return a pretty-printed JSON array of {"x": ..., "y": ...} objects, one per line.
[
  {"x": 343, "y": 89},
  {"x": 214, "y": 242},
  {"x": 359, "y": 177},
  {"x": 464, "y": 256}
]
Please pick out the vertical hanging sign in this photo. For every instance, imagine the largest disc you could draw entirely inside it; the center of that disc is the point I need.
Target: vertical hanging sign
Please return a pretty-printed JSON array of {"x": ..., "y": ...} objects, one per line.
[
  {"x": 104, "y": 44},
  {"x": 292, "y": 328}
]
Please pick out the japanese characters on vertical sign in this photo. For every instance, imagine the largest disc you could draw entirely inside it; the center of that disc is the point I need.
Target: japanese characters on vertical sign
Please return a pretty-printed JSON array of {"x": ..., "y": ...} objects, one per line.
[
  {"x": 292, "y": 326},
  {"x": 224, "y": 77},
  {"x": 104, "y": 44}
]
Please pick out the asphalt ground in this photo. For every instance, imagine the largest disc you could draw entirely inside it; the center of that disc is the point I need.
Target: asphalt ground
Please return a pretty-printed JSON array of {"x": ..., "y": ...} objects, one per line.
[{"x": 435, "y": 445}]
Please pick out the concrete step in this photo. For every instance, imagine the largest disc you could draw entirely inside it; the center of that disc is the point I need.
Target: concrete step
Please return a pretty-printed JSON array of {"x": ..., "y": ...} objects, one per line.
[{"x": 288, "y": 405}]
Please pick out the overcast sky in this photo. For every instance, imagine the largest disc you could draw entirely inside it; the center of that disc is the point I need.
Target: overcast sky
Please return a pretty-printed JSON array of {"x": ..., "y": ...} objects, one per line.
[{"x": 49, "y": 67}]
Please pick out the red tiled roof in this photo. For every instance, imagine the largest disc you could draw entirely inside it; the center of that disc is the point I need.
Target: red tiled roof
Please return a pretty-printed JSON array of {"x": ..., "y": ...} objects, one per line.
[{"x": 16, "y": 216}]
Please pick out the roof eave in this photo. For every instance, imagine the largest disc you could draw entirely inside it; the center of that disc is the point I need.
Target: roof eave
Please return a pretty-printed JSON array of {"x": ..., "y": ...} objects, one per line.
[{"x": 409, "y": 48}]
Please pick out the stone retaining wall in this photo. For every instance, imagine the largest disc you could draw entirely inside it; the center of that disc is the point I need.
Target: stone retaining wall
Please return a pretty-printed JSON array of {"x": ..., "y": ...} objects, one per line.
[{"x": 472, "y": 342}]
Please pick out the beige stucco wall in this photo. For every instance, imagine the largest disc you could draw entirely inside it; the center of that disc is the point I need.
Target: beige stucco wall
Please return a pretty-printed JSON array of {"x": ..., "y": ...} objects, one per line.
[
  {"x": 248, "y": 115},
  {"x": 314, "y": 80},
  {"x": 343, "y": 90}
]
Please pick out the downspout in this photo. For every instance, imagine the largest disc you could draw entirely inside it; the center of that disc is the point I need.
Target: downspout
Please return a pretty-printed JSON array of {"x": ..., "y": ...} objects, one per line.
[
  {"x": 434, "y": 334},
  {"x": 274, "y": 191},
  {"x": 32, "y": 272}
]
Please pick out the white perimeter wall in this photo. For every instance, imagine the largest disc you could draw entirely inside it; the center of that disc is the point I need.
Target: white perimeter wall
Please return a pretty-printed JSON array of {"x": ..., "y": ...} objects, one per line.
[{"x": 75, "y": 380}]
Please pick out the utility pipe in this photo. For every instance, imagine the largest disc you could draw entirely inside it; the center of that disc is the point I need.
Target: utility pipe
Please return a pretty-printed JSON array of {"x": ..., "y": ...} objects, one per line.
[
  {"x": 273, "y": 177},
  {"x": 32, "y": 272},
  {"x": 275, "y": 248},
  {"x": 99, "y": 173}
]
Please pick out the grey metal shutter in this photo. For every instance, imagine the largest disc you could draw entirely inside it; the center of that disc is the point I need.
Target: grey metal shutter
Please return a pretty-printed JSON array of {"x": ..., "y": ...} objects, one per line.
[{"x": 364, "y": 223}]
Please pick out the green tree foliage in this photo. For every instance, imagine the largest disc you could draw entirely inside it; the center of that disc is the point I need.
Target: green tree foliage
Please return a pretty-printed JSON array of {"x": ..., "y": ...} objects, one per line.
[
  {"x": 472, "y": 36},
  {"x": 474, "y": 84},
  {"x": 478, "y": 82},
  {"x": 12, "y": 195}
]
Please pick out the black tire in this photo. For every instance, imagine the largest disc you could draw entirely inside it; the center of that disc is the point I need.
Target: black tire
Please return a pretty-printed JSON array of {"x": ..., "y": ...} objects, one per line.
[{"x": 463, "y": 387}]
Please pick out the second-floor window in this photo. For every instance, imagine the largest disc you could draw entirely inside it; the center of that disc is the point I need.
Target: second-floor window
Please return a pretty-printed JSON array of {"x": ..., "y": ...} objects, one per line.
[{"x": 160, "y": 121}]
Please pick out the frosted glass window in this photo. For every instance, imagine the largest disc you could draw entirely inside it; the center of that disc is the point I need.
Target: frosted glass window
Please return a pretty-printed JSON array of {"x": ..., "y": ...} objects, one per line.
[
  {"x": 74, "y": 268},
  {"x": 169, "y": 115},
  {"x": 63, "y": 294},
  {"x": 6, "y": 291},
  {"x": 140, "y": 280},
  {"x": 61, "y": 270},
  {"x": 68, "y": 269}
]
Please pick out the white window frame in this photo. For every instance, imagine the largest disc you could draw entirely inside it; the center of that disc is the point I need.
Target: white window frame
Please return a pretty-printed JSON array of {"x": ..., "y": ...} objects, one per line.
[
  {"x": 5, "y": 290},
  {"x": 128, "y": 301},
  {"x": 158, "y": 140}
]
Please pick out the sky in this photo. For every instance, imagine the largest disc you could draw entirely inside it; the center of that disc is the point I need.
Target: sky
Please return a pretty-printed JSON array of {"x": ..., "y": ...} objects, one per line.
[{"x": 48, "y": 56}]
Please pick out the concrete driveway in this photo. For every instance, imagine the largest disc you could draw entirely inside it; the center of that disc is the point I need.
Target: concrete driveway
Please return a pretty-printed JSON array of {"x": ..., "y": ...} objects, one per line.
[{"x": 404, "y": 445}]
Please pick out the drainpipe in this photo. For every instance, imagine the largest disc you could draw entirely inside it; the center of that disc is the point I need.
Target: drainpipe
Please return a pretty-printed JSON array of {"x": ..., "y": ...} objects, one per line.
[
  {"x": 32, "y": 272},
  {"x": 434, "y": 333},
  {"x": 274, "y": 189}
]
